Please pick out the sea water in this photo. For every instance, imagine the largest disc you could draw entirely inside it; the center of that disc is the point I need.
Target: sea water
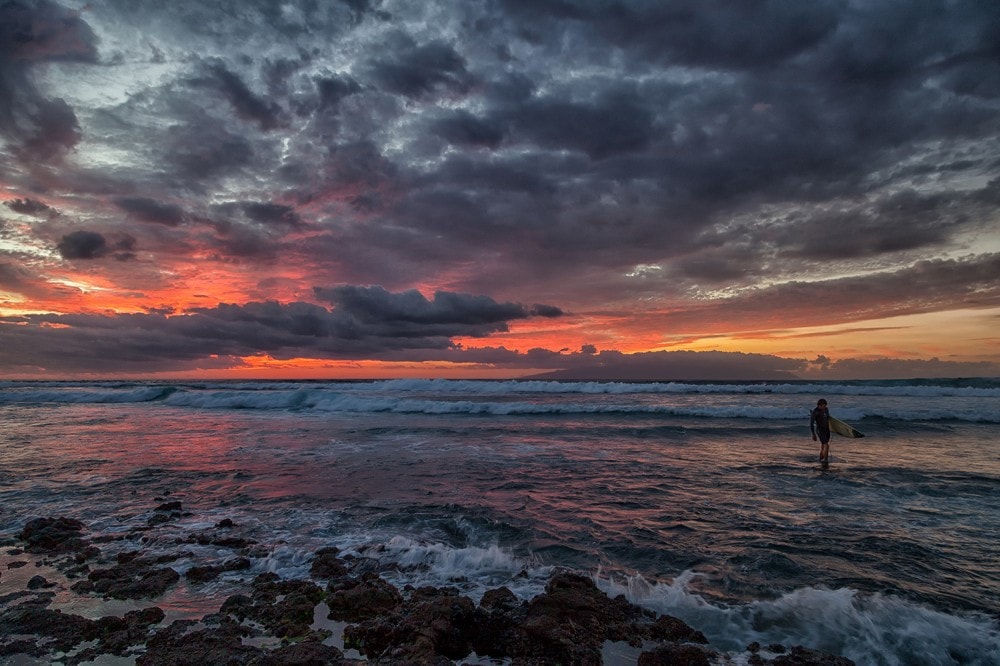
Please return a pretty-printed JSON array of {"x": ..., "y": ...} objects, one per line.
[{"x": 706, "y": 501}]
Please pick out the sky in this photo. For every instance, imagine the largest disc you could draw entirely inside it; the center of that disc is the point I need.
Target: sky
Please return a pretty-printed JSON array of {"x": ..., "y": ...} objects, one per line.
[{"x": 629, "y": 189}]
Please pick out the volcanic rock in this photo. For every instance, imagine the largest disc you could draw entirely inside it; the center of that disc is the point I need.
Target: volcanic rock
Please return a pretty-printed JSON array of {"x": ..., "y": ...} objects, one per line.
[
  {"x": 432, "y": 624},
  {"x": 284, "y": 607},
  {"x": 64, "y": 629},
  {"x": 327, "y": 564},
  {"x": 352, "y": 600},
  {"x": 53, "y": 535},
  {"x": 131, "y": 578}
]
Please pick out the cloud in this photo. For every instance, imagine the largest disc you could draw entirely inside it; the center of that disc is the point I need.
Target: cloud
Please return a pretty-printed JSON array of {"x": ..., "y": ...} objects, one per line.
[
  {"x": 28, "y": 206},
  {"x": 334, "y": 90},
  {"x": 88, "y": 245},
  {"x": 447, "y": 313},
  {"x": 365, "y": 322},
  {"x": 711, "y": 160},
  {"x": 713, "y": 34},
  {"x": 202, "y": 150},
  {"x": 11, "y": 276},
  {"x": 272, "y": 214},
  {"x": 82, "y": 245},
  {"x": 148, "y": 210},
  {"x": 461, "y": 128},
  {"x": 887, "y": 368},
  {"x": 926, "y": 286},
  {"x": 247, "y": 105},
  {"x": 418, "y": 70},
  {"x": 614, "y": 124},
  {"x": 549, "y": 311},
  {"x": 673, "y": 366},
  {"x": 40, "y": 128}
]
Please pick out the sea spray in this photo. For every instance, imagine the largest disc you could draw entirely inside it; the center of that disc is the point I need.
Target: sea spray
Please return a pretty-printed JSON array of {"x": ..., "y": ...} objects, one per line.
[{"x": 876, "y": 629}]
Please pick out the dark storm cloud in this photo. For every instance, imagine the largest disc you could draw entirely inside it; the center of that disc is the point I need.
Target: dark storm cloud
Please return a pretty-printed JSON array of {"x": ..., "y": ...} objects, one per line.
[
  {"x": 272, "y": 214},
  {"x": 463, "y": 129},
  {"x": 204, "y": 150},
  {"x": 366, "y": 322},
  {"x": 246, "y": 104},
  {"x": 926, "y": 286},
  {"x": 40, "y": 128},
  {"x": 615, "y": 151},
  {"x": 149, "y": 210},
  {"x": 333, "y": 90},
  {"x": 43, "y": 30},
  {"x": 905, "y": 221},
  {"x": 550, "y": 311},
  {"x": 29, "y": 207},
  {"x": 614, "y": 124},
  {"x": 92, "y": 245},
  {"x": 716, "y": 33},
  {"x": 82, "y": 245},
  {"x": 236, "y": 242},
  {"x": 462, "y": 314},
  {"x": 417, "y": 70}
]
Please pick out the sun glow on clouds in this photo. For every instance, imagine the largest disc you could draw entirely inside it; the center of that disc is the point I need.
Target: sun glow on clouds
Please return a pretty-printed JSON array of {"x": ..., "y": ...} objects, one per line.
[
  {"x": 253, "y": 367},
  {"x": 971, "y": 337}
]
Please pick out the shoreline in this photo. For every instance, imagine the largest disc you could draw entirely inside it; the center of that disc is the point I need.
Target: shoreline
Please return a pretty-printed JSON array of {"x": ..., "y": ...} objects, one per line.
[{"x": 344, "y": 613}]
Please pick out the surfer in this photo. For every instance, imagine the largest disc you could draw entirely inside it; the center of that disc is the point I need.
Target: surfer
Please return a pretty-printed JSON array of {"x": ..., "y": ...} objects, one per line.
[{"x": 819, "y": 424}]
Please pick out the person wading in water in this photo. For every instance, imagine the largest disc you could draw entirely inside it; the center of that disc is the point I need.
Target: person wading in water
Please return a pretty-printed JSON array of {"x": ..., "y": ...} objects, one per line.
[{"x": 819, "y": 424}]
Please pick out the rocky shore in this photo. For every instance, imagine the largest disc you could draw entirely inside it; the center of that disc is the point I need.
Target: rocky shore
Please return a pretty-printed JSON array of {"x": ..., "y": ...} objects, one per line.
[{"x": 274, "y": 621}]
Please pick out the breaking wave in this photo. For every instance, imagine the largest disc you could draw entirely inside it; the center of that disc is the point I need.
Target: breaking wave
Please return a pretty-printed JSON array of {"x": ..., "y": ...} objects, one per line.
[{"x": 918, "y": 401}]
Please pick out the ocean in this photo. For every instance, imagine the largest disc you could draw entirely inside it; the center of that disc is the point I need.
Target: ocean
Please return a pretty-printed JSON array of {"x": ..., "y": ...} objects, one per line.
[{"x": 705, "y": 501}]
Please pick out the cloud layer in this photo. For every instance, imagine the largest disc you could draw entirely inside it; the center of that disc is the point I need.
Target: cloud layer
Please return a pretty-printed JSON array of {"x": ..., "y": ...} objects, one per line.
[{"x": 694, "y": 168}]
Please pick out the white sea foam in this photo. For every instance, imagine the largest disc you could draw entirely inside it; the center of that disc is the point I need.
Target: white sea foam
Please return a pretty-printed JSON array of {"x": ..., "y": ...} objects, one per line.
[
  {"x": 869, "y": 629},
  {"x": 435, "y": 563},
  {"x": 78, "y": 394},
  {"x": 474, "y": 387},
  {"x": 894, "y": 401}
]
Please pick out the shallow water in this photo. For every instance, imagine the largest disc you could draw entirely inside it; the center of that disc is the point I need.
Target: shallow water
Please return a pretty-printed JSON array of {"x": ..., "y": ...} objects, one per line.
[{"x": 704, "y": 501}]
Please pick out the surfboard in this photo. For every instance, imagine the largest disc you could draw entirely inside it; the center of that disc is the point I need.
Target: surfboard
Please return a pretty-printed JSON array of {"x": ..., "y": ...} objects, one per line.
[{"x": 842, "y": 429}]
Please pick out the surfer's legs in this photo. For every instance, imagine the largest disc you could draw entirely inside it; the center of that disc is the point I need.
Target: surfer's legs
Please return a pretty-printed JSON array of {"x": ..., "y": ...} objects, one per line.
[{"x": 824, "y": 448}]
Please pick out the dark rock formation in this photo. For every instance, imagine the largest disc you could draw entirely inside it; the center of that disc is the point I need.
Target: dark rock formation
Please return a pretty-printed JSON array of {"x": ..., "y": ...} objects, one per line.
[
  {"x": 678, "y": 654},
  {"x": 38, "y": 583},
  {"x": 63, "y": 630},
  {"x": 327, "y": 564},
  {"x": 132, "y": 578},
  {"x": 800, "y": 656},
  {"x": 53, "y": 535},
  {"x": 568, "y": 623},
  {"x": 306, "y": 653},
  {"x": 221, "y": 540},
  {"x": 669, "y": 628},
  {"x": 203, "y": 574},
  {"x": 179, "y": 645},
  {"x": 285, "y": 607},
  {"x": 431, "y": 625},
  {"x": 116, "y": 635},
  {"x": 356, "y": 600}
]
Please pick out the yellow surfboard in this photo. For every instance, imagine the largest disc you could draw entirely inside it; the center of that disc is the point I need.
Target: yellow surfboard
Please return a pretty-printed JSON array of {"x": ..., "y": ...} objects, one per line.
[{"x": 844, "y": 430}]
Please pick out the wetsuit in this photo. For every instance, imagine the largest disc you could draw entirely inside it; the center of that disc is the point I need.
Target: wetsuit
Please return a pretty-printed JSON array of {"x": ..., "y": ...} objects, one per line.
[{"x": 819, "y": 424}]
